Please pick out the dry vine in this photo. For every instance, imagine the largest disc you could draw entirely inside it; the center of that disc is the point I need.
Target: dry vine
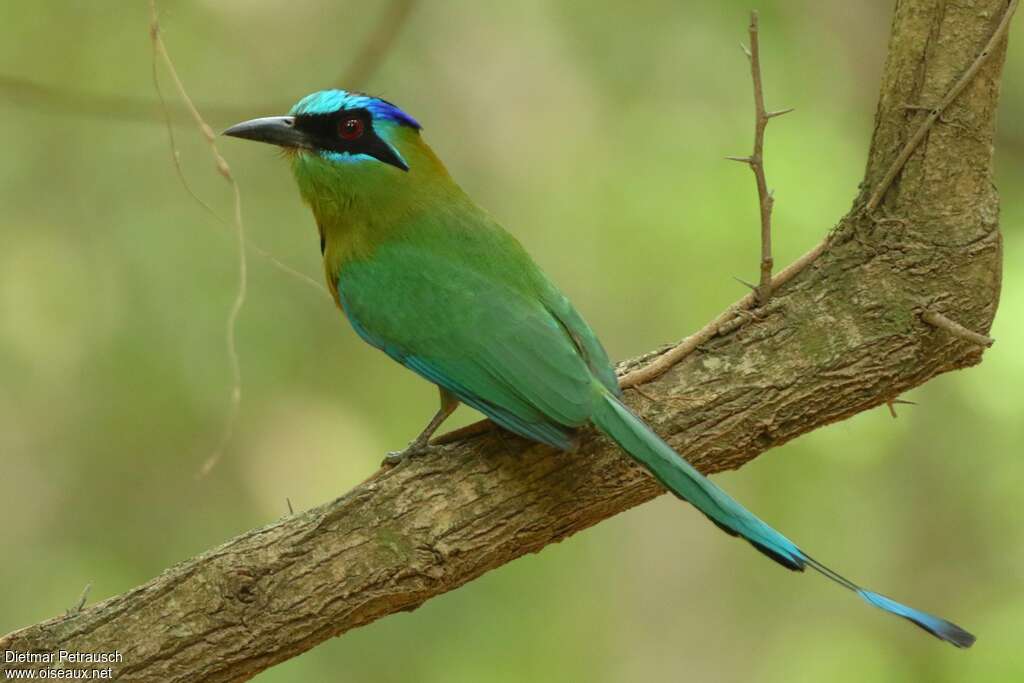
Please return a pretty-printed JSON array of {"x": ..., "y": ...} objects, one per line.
[{"x": 221, "y": 164}]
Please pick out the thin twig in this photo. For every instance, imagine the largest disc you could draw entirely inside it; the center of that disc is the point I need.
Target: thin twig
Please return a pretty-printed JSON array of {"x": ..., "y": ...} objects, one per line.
[
  {"x": 666, "y": 360},
  {"x": 175, "y": 153},
  {"x": 235, "y": 400},
  {"x": 936, "y": 319},
  {"x": 766, "y": 199},
  {"x": 176, "y": 158},
  {"x": 890, "y": 175}
]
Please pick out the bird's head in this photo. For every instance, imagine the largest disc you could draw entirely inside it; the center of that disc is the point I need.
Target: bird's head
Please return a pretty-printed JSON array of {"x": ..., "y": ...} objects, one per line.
[{"x": 348, "y": 144}]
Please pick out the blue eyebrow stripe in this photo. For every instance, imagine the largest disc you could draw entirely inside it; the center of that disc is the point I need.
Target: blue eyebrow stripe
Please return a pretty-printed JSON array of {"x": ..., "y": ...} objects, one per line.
[{"x": 332, "y": 101}]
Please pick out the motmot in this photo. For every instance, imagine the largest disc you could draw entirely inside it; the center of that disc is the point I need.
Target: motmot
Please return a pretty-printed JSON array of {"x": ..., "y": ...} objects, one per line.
[{"x": 431, "y": 279}]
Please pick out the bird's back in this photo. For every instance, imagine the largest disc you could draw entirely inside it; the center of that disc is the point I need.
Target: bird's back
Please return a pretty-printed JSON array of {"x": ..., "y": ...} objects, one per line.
[{"x": 456, "y": 298}]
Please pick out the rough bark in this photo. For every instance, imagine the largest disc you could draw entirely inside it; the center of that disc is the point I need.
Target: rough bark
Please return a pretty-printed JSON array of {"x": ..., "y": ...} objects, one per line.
[{"x": 843, "y": 336}]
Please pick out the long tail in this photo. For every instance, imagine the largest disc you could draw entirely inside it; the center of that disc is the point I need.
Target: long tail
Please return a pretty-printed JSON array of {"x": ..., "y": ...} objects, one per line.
[{"x": 637, "y": 439}]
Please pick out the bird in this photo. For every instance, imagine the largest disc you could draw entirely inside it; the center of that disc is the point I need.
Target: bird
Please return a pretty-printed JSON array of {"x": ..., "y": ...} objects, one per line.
[{"x": 427, "y": 276}]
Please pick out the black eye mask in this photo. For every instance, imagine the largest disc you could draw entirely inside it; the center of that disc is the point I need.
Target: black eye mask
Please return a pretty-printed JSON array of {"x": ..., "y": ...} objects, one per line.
[{"x": 324, "y": 132}]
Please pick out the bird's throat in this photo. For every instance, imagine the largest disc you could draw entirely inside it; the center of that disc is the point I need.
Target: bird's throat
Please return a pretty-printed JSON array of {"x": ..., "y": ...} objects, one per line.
[{"x": 363, "y": 205}]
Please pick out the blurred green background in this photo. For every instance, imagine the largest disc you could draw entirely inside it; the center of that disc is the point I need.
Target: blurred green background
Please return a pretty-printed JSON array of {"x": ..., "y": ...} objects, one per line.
[{"x": 592, "y": 131}]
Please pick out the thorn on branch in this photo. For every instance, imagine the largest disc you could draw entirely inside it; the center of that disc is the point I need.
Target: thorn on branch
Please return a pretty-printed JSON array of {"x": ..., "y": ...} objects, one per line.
[
  {"x": 745, "y": 283},
  {"x": 764, "y": 289},
  {"x": 77, "y": 607},
  {"x": 892, "y": 409},
  {"x": 893, "y": 402},
  {"x": 936, "y": 319}
]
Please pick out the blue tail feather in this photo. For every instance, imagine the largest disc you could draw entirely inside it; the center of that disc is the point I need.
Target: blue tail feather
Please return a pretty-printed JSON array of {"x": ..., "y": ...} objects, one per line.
[
  {"x": 940, "y": 628},
  {"x": 644, "y": 446}
]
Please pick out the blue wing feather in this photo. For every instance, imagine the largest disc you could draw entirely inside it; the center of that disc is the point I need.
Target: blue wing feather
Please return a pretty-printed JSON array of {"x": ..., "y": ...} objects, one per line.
[
  {"x": 498, "y": 393},
  {"x": 538, "y": 429}
]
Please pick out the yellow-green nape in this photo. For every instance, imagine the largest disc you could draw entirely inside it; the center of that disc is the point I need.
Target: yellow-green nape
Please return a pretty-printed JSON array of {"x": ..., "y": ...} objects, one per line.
[{"x": 333, "y": 101}]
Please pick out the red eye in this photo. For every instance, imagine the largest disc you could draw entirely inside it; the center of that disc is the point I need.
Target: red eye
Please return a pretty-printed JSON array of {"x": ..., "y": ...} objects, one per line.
[{"x": 350, "y": 128}]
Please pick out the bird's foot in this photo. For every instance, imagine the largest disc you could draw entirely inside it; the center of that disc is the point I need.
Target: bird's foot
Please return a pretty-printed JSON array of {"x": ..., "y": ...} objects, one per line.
[{"x": 413, "y": 450}]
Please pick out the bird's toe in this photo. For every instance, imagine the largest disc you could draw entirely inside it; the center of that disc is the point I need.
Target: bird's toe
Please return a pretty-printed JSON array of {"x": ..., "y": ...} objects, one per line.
[{"x": 413, "y": 450}]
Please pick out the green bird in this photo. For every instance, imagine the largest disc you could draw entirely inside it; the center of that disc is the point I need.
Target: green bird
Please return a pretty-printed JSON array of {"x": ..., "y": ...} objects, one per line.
[{"x": 429, "y": 278}]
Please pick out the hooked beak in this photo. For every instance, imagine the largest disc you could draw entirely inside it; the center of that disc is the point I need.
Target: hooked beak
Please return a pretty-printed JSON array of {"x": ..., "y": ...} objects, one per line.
[{"x": 275, "y": 130}]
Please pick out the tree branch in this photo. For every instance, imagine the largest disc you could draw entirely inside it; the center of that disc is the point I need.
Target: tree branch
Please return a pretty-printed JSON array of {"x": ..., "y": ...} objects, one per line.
[{"x": 844, "y": 333}]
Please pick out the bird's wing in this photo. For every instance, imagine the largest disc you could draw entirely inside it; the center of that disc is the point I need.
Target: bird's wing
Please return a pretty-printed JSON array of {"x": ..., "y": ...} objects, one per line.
[
  {"x": 494, "y": 345},
  {"x": 587, "y": 343}
]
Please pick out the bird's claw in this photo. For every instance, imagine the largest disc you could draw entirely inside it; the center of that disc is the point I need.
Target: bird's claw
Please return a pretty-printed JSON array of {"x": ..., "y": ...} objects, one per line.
[{"x": 413, "y": 450}]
